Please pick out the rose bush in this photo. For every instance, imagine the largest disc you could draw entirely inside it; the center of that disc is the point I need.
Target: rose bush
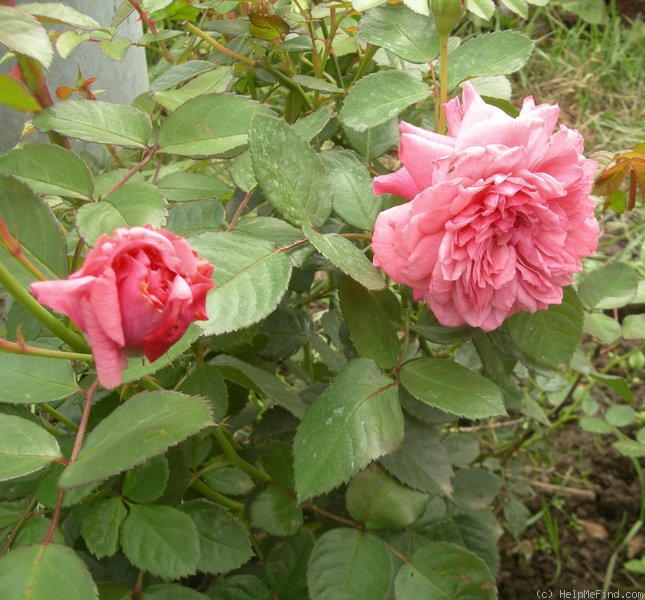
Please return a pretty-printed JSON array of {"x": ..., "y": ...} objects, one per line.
[
  {"x": 499, "y": 213},
  {"x": 136, "y": 291}
]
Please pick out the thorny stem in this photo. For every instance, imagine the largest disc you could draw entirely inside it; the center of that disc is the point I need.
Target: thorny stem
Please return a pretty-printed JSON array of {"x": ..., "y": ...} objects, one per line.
[
  {"x": 142, "y": 163},
  {"x": 13, "y": 247},
  {"x": 150, "y": 24},
  {"x": 284, "y": 79},
  {"x": 80, "y": 434},
  {"x": 240, "y": 208},
  {"x": 21, "y": 348}
]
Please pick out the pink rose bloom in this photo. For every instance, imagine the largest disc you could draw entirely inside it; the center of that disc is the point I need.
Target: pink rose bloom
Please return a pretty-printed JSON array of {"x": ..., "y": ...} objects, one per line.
[
  {"x": 499, "y": 213},
  {"x": 136, "y": 291}
]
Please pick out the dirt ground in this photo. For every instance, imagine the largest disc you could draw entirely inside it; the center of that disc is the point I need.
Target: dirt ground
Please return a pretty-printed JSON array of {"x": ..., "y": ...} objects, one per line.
[{"x": 593, "y": 516}]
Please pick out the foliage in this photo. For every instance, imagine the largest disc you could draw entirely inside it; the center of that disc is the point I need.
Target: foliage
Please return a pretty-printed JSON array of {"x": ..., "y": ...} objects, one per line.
[{"x": 317, "y": 436}]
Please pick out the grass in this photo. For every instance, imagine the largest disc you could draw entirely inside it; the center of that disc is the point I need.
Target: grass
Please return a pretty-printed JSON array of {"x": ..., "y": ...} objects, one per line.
[{"x": 594, "y": 72}]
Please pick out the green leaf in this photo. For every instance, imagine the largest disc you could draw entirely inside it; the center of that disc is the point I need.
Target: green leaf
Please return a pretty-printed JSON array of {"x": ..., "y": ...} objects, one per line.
[
  {"x": 30, "y": 221},
  {"x": 161, "y": 540},
  {"x": 422, "y": 461},
  {"x": 370, "y": 327},
  {"x": 379, "y": 97},
  {"x": 147, "y": 481},
  {"x": 139, "y": 367},
  {"x": 100, "y": 526},
  {"x": 356, "y": 420},
  {"x": 476, "y": 531},
  {"x": 240, "y": 587},
  {"x": 97, "y": 121},
  {"x": 287, "y": 330},
  {"x": 180, "y": 73},
  {"x": 347, "y": 257},
  {"x": 602, "y": 326},
  {"x": 139, "y": 429},
  {"x": 289, "y": 172},
  {"x": 14, "y": 95},
  {"x": 634, "y": 327},
  {"x": 549, "y": 337},
  {"x": 610, "y": 286},
  {"x": 375, "y": 141},
  {"x": 134, "y": 204},
  {"x": 197, "y": 216},
  {"x": 286, "y": 565},
  {"x": 474, "y": 489},
  {"x": 497, "y": 53},
  {"x": 517, "y": 6},
  {"x": 215, "y": 81},
  {"x": 60, "y": 14},
  {"x": 69, "y": 40},
  {"x": 224, "y": 540},
  {"x": 630, "y": 448},
  {"x": 380, "y": 502},
  {"x": 275, "y": 512},
  {"x": 591, "y": 11},
  {"x": 192, "y": 186},
  {"x": 409, "y": 35},
  {"x": 25, "y": 447},
  {"x": 620, "y": 415},
  {"x": 205, "y": 380},
  {"x": 21, "y": 33},
  {"x": 208, "y": 125},
  {"x": 115, "y": 48},
  {"x": 49, "y": 169},
  {"x": 45, "y": 572},
  {"x": 346, "y": 563},
  {"x": 595, "y": 425},
  {"x": 354, "y": 199},
  {"x": 258, "y": 380},
  {"x": 229, "y": 481},
  {"x": 444, "y": 571},
  {"x": 34, "y": 379},
  {"x": 451, "y": 387},
  {"x": 170, "y": 591},
  {"x": 482, "y": 8},
  {"x": 251, "y": 277}
]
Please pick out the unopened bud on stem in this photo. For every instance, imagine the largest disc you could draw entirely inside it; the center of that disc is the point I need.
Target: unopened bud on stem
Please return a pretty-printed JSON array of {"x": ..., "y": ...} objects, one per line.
[{"x": 446, "y": 14}]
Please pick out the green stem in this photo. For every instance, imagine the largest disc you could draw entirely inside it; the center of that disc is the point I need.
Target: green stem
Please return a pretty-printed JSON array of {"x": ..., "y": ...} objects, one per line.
[
  {"x": 221, "y": 47},
  {"x": 365, "y": 61},
  {"x": 37, "y": 310},
  {"x": 50, "y": 410},
  {"x": 80, "y": 434},
  {"x": 19, "y": 348},
  {"x": 210, "y": 494},
  {"x": 443, "y": 81},
  {"x": 226, "y": 446}
]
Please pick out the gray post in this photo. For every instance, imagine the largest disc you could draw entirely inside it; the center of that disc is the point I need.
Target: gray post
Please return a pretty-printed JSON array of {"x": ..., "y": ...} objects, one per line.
[{"x": 122, "y": 81}]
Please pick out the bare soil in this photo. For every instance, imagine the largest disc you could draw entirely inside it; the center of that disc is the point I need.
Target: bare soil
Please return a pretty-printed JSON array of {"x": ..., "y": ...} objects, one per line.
[{"x": 593, "y": 517}]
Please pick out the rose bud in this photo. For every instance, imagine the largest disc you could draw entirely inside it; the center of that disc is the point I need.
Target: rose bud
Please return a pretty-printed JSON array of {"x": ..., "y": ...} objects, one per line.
[{"x": 137, "y": 292}]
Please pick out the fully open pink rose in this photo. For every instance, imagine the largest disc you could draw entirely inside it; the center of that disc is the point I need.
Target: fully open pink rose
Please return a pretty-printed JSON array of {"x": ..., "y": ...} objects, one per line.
[
  {"x": 136, "y": 291},
  {"x": 499, "y": 213}
]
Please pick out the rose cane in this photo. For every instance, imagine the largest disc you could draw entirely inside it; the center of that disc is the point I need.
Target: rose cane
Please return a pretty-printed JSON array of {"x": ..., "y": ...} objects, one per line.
[
  {"x": 499, "y": 212},
  {"x": 137, "y": 292}
]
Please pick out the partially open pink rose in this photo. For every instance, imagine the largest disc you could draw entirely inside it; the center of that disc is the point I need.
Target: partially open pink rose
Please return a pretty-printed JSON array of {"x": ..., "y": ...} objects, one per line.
[
  {"x": 499, "y": 213},
  {"x": 136, "y": 291}
]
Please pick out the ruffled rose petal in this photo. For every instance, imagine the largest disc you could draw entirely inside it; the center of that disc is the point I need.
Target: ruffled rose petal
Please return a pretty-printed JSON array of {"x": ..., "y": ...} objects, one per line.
[{"x": 501, "y": 217}]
